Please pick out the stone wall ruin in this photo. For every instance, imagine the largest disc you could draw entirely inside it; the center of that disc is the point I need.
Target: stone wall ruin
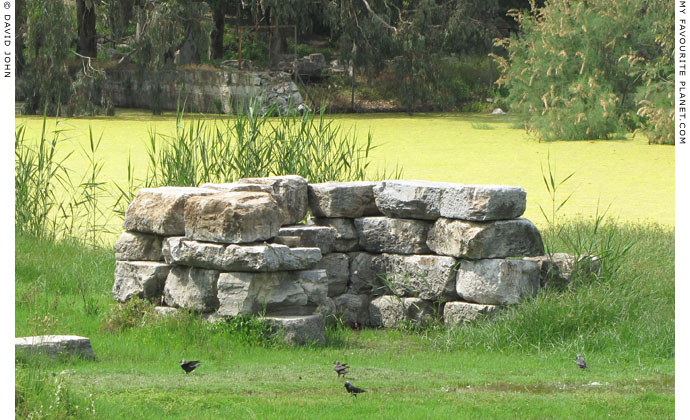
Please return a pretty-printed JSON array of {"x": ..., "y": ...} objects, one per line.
[{"x": 372, "y": 253}]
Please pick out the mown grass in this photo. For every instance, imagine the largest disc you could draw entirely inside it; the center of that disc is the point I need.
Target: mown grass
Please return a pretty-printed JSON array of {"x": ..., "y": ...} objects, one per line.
[{"x": 519, "y": 365}]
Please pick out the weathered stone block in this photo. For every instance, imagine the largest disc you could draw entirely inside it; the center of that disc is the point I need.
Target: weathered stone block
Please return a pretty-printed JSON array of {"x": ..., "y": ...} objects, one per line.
[
  {"x": 144, "y": 279},
  {"x": 482, "y": 202},
  {"x": 337, "y": 266},
  {"x": 342, "y": 199},
  {"x": 328, "y": 310},
  {"x": 352, "y": 309},
  {"x": 430, "y": 277},
  {"x": 160, "y": 210},
  {"x": 456, "y": 313},
  {"x": 399, "y": 236},
  {"x": 366, "y": 273},
  {"x": 192, "y": 288},
  {"x": 298, "y": 330},
  {"x": 497, "y": 281},
  {"x": 410, "y": 199},
  {"x": 232, "y": 217},
  {"x": 276, "y": 293},
  {"x": 165, "y": 310},
  {"x": 556, "y": 271},
  {"x": 477, "y": 240},
  {"x": 54, "y": 345},
  {"x": 289, "y": 191},
  {"x": 346, "y": 238},
  {"x": 265, "y": 257},
  {"x": 391, "y": 311},
  {"x": 135, "y": 246},
  {"x": 322, "y": 237}
]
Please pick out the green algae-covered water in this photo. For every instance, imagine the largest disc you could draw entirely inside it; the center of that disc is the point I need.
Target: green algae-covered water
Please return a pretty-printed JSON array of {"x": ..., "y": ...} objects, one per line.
[{"x": 634, "y": 178}]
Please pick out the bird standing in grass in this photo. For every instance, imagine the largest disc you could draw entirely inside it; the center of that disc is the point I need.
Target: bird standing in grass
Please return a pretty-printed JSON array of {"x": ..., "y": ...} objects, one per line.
[
  {"x": 353, "y": 389},
  {"x": 340, "y": 369},
  {"x": 581, "y": 362},
  {"x": 189, "y": 366}
]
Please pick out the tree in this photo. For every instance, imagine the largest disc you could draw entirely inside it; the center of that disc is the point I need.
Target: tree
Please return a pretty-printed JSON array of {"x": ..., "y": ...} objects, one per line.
[
  {"x": 577, "y": 68},
  {"x": 86, "y": 28}
]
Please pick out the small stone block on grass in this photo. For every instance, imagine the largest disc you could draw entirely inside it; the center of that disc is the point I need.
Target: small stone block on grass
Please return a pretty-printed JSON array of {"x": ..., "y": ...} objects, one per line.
[{"x": 55, "y": 345}]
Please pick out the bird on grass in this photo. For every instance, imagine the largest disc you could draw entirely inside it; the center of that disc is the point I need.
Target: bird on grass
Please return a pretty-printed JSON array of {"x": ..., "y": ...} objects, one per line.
[
  {"x": 340, "y": 369},
  {"x": 581, "y": 362},
  {"x": 189, "y": 366},
  {"x": 353, "y": 389}
]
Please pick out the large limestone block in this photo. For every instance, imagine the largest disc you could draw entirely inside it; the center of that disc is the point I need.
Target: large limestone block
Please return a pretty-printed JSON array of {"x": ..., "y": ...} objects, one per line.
[
  {"x": 144, "y": 279},
  {"x": 409, "y": 199},
  {"x": 264, "y": 257},
  {"x": 276, "y": 293},
  {"x": 557, "y": 270},
  {"x": 337, "y": 266},
  {"x": 346, "y": 238},
  {"x": 328, "y": 310},
  {"x": 398, "y": 236},
  {"x": 343, "y": 199},
  {"x": 366, "y": 274},
  {"x": 161, "y": 210},
  {"x": 497, "y": 281},
  {"x": 429, "y": 277},
  {"x": 352, "y": 310},
  {"x": 392, "y": 311},
  {"x": 55, "y": 345},
  {"x": 298, "y": 330},
  {"x": 289, "y": 191},
  {"x": 457, "y": 313},
  {"x": 482, "y": 202},
  {"x": 232, "y": 217},
  {"x": 322, "y": 237},
  {"x": 192, "y": 288},
  {"x": 135, "y": 246},
  {"x": 477, "y": 240}
]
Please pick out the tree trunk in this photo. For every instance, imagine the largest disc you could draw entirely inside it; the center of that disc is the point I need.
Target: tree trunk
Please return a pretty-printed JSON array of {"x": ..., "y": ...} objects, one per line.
[
  {"x": 218, "y": 32},
  {"x": 86, "y": 28}
]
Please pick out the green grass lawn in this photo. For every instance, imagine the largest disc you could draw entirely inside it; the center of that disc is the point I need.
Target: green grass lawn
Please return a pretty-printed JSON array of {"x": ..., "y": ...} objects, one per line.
[
  {"x": 635, "y": 178},
  {"x": 520, "y": 365}
]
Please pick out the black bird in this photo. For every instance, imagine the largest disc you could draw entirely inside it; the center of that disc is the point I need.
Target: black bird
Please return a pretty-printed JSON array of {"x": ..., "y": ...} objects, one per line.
[
  {"x": 581, "y": 362},
  {"x": 340, "y": 369},
  {"x": 353, "y": 389},
  {"x": 189, "y": 366}
]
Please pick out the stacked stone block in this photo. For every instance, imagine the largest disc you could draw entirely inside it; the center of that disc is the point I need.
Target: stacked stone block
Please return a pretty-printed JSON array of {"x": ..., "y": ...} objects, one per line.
[{"x": 372, "y": 254}]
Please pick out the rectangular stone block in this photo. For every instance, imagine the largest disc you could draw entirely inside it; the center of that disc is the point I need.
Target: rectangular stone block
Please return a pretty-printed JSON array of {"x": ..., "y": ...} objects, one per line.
[
  {"x": 342, "y": 199},
  {"x": 398, "y": 236},
  {"x": 409, "y": 199},
  {"x": 298, "y": 330},
  {"x": 352, "y": 310},
  {"x": 478, "y": 240},
  {"x": 253, "y": 257},
  {"x": 192, "y": 288},
  {"x": 144, "y": 279},
  {"x": 55, "y": 345},
  {"x": 232, "y": 217},
  {"x": 458, "y": 313},
  {"x": 277, "y": 293},
  {"x": 337, "y": 267},
  {"x": 482, "y": 202},
  {"x": 136, "y": 246},
  {"x": 289, "y": 191},
  {"x": 346, "y": 238},
  {"x": 430, "y": 277},
  {"x": 322, "y": 237},
  {"x": 497, "y": 281},
  {"x": 160, "y": 210},
  {"x": 392, "y": 311},
  {"x": 366, "y": 273}
]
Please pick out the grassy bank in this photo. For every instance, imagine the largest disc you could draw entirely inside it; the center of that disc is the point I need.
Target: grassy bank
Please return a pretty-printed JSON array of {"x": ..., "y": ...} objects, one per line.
[
  {"x": 519, "y": 365},
  {"x": 636, "y": 178}
]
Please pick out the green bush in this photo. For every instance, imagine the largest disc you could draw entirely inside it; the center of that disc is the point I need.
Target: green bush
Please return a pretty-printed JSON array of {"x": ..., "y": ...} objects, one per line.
[{"x": 577, "y": 68}]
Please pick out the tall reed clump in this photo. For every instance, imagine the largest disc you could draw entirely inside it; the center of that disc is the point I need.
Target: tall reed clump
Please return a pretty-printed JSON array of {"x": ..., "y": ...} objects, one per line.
[{"x": 252, "y": 144}]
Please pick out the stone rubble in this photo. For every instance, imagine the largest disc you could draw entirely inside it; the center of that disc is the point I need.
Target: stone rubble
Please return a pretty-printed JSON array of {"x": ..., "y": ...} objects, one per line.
[{"x": 377, "y": 254}]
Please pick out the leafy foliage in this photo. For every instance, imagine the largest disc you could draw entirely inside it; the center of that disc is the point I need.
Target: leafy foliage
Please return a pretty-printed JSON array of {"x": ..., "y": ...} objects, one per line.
[{"x": 576, "y": 68}]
